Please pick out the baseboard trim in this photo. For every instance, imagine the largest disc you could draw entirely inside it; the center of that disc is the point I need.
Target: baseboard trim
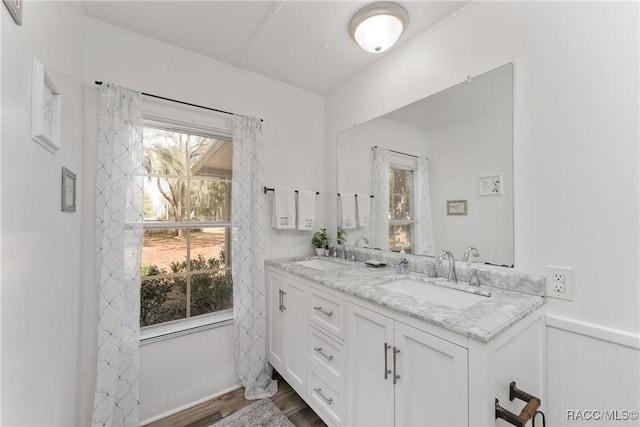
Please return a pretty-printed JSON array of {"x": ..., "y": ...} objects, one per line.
[
  {"x": 187, "y": 406},
  {"x": 591, "y": 330}
]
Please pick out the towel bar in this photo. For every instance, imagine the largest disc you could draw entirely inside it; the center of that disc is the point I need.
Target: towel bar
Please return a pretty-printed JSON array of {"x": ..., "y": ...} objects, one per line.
[
  {"x": 528, "y": 412},
  {"x": 272, "y": 189},
  {"x": 370, "y": 195}
]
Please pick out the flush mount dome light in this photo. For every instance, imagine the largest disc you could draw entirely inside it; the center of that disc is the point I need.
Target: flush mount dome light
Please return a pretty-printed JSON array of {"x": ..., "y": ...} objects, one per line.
[{"x": 378, "y": 26}]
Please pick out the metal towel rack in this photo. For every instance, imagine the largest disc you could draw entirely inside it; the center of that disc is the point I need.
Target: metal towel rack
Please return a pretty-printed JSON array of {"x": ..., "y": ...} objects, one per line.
[
  {"x": 272, "y": 189},
  {"x": 529, "y": 412},
  {"x": 370, "y": 195}
]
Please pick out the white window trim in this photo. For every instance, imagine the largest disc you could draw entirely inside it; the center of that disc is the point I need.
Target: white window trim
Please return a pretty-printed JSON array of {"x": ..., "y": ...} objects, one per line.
[
  {"x": 156, "y": 114},
  {"x": 178, "y": 328}
]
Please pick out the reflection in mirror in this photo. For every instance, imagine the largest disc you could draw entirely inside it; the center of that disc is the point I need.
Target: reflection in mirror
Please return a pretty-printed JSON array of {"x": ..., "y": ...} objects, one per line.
[{"x": 440, "y": 171}]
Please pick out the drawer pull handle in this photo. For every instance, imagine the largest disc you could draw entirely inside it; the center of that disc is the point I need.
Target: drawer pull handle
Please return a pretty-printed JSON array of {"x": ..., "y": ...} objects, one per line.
[
  {"x": 319, "y": 393},
  {"x": 326, "y": 313},
  {"x": 321, "y": 353},
  {"x": 387, "y": 371}
]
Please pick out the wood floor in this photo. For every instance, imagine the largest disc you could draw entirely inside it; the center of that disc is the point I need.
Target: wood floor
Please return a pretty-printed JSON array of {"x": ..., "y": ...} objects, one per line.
[{"x": 209, "y": 412}]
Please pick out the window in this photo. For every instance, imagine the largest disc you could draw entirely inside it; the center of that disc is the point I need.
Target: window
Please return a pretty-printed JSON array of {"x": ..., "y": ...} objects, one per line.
[
  {"x": 186, "y": 268},
  {"x": 401, "y": 219}
]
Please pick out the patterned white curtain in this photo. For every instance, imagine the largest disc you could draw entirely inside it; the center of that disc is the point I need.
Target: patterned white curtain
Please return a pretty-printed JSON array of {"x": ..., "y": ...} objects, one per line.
[
  {"x": 119, "y": 204},
  {"x": 248, "y": 231},
  {"x": 380, "y": 208},
  {"x": 424, "y": 244}
]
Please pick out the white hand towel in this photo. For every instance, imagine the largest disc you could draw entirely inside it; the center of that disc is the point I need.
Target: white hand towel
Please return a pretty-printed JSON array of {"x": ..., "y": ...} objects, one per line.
[
  {"x": 306, "y": 209},
  {"x": 284, "y": 209},
  {"x": 348, "y": 209},
  {"x": 363, "y": 202}
]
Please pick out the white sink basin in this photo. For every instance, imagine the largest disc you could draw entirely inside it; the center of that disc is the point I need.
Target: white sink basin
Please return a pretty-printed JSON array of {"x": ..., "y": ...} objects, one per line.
[
  {"x": 320, "y": 264},
  {"x": 422, "y": 291}
]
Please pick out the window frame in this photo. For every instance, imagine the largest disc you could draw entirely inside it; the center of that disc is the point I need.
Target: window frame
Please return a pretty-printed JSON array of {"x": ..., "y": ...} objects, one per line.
[{"x": 191, "y": 324}]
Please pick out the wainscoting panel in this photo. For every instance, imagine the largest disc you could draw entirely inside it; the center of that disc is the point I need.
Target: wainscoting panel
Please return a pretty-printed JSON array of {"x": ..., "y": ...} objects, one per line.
[{"x": 591, "y": 370}]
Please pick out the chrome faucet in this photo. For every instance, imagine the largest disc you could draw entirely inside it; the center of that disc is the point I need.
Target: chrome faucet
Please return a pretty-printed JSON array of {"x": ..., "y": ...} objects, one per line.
[
  {"x": 335, "y": 249},
  {"x": 452, "y": 276},
  {"x": 470, "y": 250},
  {"x": 356, "y": 245},
  {"x": 366, "y": 241}
]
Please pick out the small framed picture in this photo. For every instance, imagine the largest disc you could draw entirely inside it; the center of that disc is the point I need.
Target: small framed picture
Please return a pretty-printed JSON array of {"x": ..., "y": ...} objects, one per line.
[
  {"x": 456, "y": 207},
  {"x": 45, "y": 109},
  {"x": 15, "y": 9},
  {"x": 490, "y": 185},
  {"x": 68, "y": 190}
]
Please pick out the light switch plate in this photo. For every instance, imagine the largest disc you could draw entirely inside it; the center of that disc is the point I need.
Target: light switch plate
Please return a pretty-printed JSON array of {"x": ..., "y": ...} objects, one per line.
[{"x": 559, "y": 281}]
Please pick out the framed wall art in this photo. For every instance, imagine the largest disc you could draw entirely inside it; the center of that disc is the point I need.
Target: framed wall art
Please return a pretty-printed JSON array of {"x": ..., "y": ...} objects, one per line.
[
  {"x": 68, "y": 190},
  {"x": 490, "y": 185},
  {"x": 456, "y": 207},
  {"x": 15, "y": 9},
  {"x": 45, "y": 109}
]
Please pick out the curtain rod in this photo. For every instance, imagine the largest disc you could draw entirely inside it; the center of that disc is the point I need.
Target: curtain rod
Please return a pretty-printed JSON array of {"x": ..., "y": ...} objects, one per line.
[
  {"x": 99, "y": 83},
  {"x": 394, "y": 151}
]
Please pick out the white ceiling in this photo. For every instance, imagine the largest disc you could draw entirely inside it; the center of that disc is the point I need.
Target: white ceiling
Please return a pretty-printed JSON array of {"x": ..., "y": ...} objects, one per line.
[{"x": 302, "y": 43}]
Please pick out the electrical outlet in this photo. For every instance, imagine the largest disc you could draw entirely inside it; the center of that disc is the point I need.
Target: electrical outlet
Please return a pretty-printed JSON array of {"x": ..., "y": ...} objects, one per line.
[{"x": 559, "y": 282}]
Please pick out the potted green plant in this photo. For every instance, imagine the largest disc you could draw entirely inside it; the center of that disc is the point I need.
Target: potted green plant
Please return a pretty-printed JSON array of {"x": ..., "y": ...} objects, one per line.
[
  {"x": 342, "y": 236},
  {"x": 320, "y": 241}
]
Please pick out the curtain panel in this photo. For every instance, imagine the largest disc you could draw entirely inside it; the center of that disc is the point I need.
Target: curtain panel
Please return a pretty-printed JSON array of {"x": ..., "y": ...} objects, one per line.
[
  {"x": 247, "y": 261},
  {"x": 119, "y": 204}
]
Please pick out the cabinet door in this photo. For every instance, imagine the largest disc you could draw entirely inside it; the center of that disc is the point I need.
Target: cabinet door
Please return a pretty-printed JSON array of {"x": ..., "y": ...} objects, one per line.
[
  {"x": 296, "y": 334},
  {"x": 369, "y": 393},
  {"x": 432, "y": 388},
  {"x": 275, "y": 320}
]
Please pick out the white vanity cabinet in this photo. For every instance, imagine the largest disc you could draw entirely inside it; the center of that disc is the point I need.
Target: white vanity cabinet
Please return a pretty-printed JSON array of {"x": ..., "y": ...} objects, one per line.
[
  {"x": 357, "y": 363},
  {"x": 287, "y": 300},
  {"x": 399, "y": 375}
]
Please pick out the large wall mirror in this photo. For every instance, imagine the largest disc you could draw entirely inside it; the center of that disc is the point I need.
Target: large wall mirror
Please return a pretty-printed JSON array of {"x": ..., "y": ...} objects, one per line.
[{"x": 442, "y": 168}]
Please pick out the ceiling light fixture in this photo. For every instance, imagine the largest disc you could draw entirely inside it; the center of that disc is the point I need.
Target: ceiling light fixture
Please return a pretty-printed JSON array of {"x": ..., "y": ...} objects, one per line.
[{"x": 378, "y": 26}]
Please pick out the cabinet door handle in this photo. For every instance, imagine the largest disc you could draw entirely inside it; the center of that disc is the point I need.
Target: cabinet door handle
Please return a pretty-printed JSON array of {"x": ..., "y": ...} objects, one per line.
[
  {"x": 322, "y": 353},
  {"x": 326, "y": 313},
  {"x": 395, "y": 376},
  {"x": 387, "y": 371},
  {"x": 280, "y": 299},
  {"x": 319, "y": 393},
  {"x": 284, "y": 307}
]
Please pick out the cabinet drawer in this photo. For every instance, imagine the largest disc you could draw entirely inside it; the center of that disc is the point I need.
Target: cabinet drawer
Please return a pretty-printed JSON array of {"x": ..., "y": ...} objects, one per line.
[
  {"x": 328, "y": 400},
  {"x": 327, "y": 312},
  {"x": 326, "y": 357}
]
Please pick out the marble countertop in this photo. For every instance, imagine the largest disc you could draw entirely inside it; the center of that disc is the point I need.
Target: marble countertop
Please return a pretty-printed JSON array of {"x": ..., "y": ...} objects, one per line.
[{"x": 482, "y": 321}]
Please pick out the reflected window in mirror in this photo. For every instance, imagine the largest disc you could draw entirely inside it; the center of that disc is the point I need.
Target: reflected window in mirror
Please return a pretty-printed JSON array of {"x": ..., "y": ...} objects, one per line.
[{"x": 401, "y": 196}]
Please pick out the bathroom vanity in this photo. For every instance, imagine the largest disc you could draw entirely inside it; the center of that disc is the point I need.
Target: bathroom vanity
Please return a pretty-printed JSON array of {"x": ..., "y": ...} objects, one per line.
[{"x": 368, "y": 346}]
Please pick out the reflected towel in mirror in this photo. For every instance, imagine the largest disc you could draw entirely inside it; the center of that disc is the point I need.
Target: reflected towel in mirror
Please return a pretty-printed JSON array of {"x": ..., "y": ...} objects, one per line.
[
  {"x": 348, "y": 210},
  {"x": 363, "y": 204}
]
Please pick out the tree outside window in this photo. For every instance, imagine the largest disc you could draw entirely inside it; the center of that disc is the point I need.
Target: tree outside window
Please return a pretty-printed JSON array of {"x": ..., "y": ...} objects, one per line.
[{"x": 186, "y": 269}]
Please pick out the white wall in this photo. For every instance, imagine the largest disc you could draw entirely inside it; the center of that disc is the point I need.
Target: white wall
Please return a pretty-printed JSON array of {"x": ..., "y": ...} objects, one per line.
[
  {"x": 575, "y": 140},
  {"x": 42, "y": 270},
  {"x": 193, "y": 367},
  {"x": 293, "y": 138}
]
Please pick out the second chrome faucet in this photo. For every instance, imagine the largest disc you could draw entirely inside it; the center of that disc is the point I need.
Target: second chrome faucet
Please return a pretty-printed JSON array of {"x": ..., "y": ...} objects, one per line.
[{"x": 451, "y": 276}]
